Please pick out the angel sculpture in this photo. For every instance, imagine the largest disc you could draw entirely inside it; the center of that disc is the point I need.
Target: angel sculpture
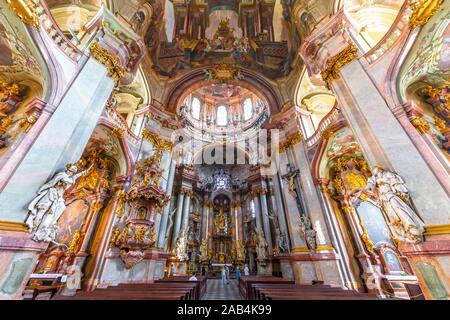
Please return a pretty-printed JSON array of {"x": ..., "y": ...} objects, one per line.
[{"x": 46, "y": 209}]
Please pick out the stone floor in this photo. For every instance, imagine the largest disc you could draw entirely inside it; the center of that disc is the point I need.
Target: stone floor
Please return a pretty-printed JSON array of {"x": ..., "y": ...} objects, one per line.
[{"x": 218, "y": 291}]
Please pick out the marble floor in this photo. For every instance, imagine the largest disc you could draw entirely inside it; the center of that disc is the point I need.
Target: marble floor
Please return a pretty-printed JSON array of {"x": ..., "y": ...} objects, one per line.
[{"x": 218, "y": 291}]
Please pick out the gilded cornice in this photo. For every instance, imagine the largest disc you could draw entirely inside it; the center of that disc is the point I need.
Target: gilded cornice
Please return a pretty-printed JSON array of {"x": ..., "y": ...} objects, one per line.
[
  {"x": 110, "y": 61},
  {"x": 335, "y": 63},
  {"x": 13, "y": 226},
  {"x": 437, "y": 230}
]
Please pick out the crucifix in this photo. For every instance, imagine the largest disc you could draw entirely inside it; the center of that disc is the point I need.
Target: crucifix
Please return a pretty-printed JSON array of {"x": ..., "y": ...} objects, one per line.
[{"x": 294, "y": 187}]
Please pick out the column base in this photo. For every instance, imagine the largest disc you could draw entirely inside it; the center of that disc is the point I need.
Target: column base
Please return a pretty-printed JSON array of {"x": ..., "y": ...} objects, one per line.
[
  {"x": 18, "y": 257},
  {"x": 151, "y": 268},
  {"x": 312, "y": 267},
  {"x": 264, "y": 267}
]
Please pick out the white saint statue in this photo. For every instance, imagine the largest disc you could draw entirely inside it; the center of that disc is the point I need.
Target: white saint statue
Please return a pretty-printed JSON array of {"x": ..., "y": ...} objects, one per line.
[
  {"x": 393, "y": 195},
  {"x": 46, "y": 209}
]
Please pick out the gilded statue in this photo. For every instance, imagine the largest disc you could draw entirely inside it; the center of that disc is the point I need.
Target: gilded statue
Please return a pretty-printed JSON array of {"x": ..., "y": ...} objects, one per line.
[
  {"x": 76, "y": 242},
  {"x": 240, "y": 251},
  {"x": 46, "y": 209},
  {"x": 220, "y": 222},
  {"x": 392, "y": 193}
]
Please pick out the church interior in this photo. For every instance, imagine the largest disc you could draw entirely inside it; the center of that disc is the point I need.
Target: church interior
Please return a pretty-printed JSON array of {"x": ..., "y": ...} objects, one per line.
[{"x": 224, "y": 149}]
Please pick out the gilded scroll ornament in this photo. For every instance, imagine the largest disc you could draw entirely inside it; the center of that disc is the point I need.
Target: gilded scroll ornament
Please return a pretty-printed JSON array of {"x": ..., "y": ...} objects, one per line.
[
  {"x": 110, "y": 61},
  {"x": 423, "y": 11},
  {"x": 25, "y": 10},
  {"x": 335, "y": 64}
]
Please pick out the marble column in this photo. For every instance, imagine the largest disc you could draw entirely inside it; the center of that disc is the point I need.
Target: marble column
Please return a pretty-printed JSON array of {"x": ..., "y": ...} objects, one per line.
[
  {"x": 259, "y": 222},
  {"x": 73, "y": 122},
  {"x": 205, "y": 218},
  {"x": 178, "y": 217},
  {"x": 240, "y": 226},
  {"x": 279, "y": 206},
  {"x": 186, "y": 210},
  {"x": 166, "y": 211},
  {"x": 72, "y": 125},
  {"x": 265, "y": 220},
  {"x": 312, "y": 203},
  {"x": 385, "y": 143}
]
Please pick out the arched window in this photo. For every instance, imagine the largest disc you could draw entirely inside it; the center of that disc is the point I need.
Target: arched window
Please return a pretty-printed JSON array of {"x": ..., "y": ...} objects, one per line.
[
  {"x": 196, "y": 108},
  {"x": 222, "y": 115},
  {"x": 248, "y": 109}
]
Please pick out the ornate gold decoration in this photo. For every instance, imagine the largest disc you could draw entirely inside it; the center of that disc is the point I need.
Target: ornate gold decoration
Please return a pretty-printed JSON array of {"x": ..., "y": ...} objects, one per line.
[
  {"x": 367, "y": 242},
  {"x": 325, "y": 248},
  {"x": 13, "y": 226},
  {"x": 76, "y": 242},
  {"x": 335, "y": 64},
  {"x": 120, "y": 209},
  {"x": 300, "y": 250},
  {"x": 421, "y": 125},
  {"x": 159, "y": 145},
  {"x": 423, "y": 11},
  {"x": 291, "y": 141},
  {"x": 437, "y": 230},
  {"x": 223, "y": 73},
  {"x": 353, "y": 180},
  {"x": 112, "y": 62},
  {"x": 119, "y": 132},
  {"x": 441, "y": 125},
  {"x": 25, "y": 10},
  {"x": 327, "y": 134}
]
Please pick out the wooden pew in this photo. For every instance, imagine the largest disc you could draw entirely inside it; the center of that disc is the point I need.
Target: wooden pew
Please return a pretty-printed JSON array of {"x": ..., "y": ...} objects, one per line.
[
  {"x": 245, "y": 284},
  {"x": 157, "y": 291},
  {"x": 306, "y": 292},
  {"x": 200, "y": 288}
]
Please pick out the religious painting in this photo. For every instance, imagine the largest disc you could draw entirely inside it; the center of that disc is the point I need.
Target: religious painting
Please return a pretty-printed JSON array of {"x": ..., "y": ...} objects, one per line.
[
  {"x": 71, "y": 221},
  {"x": 342, "y": 143},
  {"x": 391, "y": 261},
  {"x": 142, "y": 213},
  {"x": 372, "y": 218}
]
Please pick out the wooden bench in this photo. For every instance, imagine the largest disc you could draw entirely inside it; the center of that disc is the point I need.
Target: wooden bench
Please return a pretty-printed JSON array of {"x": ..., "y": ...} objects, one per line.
[
  {"x": 246, "y": 282},
  {"x": 157, "y": 291},
  {"x": 200, "y": 288},
  {"x": 306, "y": 292}
]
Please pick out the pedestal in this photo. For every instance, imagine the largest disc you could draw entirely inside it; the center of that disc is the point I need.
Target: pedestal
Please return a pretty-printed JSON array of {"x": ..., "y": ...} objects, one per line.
[
  {"x": 264, "y": 267},
  {"x": 180, "y": 267}
]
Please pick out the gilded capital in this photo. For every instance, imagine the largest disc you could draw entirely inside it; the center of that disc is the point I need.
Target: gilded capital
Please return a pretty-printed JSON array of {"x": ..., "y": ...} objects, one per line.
[
  {"x": 337, "y": 62},
  {"x": 423, "y": 11},
  {"x": 110, "y": 61}
]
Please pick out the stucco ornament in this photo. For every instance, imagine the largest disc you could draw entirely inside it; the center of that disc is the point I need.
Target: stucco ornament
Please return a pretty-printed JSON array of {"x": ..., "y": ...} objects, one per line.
[
  {"x": 405, "y": 224},
  {"x": 46, "y": 209}
]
